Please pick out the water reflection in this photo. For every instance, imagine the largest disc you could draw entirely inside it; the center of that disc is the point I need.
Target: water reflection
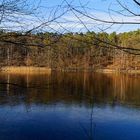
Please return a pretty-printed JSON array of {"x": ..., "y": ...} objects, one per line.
[
  {"x": 76, "y": 88},
  {"x": 69, "y": 106}
]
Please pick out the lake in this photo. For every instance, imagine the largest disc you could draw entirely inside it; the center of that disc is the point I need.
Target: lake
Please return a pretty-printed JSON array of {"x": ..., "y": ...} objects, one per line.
[{"x": 70, "y": 106}]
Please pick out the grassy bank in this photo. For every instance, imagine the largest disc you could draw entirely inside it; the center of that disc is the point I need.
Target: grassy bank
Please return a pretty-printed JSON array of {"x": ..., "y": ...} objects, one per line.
[
  {"x": 24, "y": 69},
  {"x": 33, "y": 70},
  {"x": 100, "y": 70},
  {"x": 117, "y": 71}
]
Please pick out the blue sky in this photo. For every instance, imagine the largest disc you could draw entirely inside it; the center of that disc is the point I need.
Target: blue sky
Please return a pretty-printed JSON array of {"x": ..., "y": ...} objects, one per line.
[
  {"x": 101, "y": 9},
  {"x": 72, "y": 21}
]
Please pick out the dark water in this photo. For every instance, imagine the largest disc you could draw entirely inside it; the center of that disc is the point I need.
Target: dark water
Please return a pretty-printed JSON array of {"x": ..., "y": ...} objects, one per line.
[{"x": 70, "y": 106}]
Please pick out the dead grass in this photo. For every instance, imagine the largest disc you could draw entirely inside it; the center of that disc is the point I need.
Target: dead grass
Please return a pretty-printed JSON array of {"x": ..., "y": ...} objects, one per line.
[{"x": 24, "y": 70}]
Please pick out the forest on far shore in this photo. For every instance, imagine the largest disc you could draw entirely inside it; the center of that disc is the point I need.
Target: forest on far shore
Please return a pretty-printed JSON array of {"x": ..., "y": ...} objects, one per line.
[{"x": 74, "y": 51}]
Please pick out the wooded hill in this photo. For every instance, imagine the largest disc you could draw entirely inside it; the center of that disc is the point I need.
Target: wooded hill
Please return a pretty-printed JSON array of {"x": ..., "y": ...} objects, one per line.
[{"x": 71, "y": 51}]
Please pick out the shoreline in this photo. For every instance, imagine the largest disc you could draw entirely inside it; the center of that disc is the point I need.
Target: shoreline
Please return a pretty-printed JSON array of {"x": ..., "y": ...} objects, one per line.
[
  {"x": 25, "y": 70},
  {"x": 102, "y": 70},
  {"x": 33, "y": 70},
  {"x": 118, "y": 71}
]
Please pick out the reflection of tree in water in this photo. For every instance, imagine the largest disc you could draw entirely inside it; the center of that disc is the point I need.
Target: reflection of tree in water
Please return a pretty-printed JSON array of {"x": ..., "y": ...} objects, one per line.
[
  {"x": 89, "y": 130},
  {"x": 70, "y": 88},
  {"x": 82, "y": 89}
]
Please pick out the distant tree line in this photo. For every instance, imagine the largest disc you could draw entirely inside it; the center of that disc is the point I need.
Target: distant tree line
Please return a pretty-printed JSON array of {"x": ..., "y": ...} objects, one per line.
[{"x": 71, "y": 51}]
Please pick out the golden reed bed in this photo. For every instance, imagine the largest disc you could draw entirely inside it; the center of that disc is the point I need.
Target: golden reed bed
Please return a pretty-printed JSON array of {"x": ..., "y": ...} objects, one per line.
[{"x": 24, "y": 70}]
